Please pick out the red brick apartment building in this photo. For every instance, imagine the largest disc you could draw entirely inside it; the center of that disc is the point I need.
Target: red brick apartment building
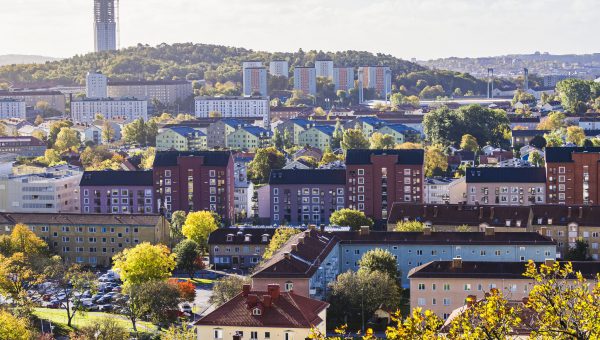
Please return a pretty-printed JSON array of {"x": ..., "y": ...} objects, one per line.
[{"x": 572, "y": 175}]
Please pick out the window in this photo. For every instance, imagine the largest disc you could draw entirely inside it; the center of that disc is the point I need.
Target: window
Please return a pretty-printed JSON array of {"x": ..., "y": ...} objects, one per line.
[
  {"x": 421, "y": 286},
  {"x": 267, "y": 335},
  {"x": 446, "y": 302},
  {"x": 446, "y": 286},
  {"x": 256, "y": 312},
  {"x": 167, "y": 173},
  {"x": 421, "y": 301},
  {"x": 288, "y": 335},
  {"x": 218, "y": 334},
  {"x": 361, "y": 172},
  {"x": 289, "y": 286},
  {"x": 467, "y": 287}
]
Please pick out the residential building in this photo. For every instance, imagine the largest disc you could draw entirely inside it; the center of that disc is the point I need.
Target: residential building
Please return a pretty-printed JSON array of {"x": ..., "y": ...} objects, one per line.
[
  {"x": 52, "y": 190},
  {"x": 589, "y": 123},
  {"x": 124, "y": 109},
  {"x": 324, "y": 68},
  {"x": 249, "y": 138},
  {"x": 238, "y": 247},
  {"x": 90, "y": 239},
  {"x": 267, "y": 314},
  {"x": 96, "y": 85},
  {"x": 440, "y": 190},
  {"x": 442, "y": 286},
  {"x": 234, "y": 107},
  {"x": 368, "y": 125},
  {"x": 378, "y": 178},
  {"x": 305, "y": 80},
  {"x": 194, "y": 181},
  {"x": 312, "y": 259},
  {"x": 279, "y": 68},
  {"x": 105, "y": 25},
  {"x": 25, "y": 146},
  {"x": 13, "y": 126},
  {"x": 572, "y": 175},
  {"x": 318, "y": 136},
  {"x": 378, "y": 78},
  {"x": 217, "y": 132},
  {"x": 400, "y": 132},
  {"x": 306, "y": 196},
  {"x": 284, "y": 113},
  {"x": 552, "y": 79},
  {"x": 343, "y": 78},
  {"x": 180, "y": 138},
  {"x": 255, "y": 81},
  {"x": 117, "y": 192},
  {"x": 523, "y": 137},
  {"x": 506, "y": 186},
  {"x": 167, "y": 92},
  {"x": 55, "y": 99},
  {"x": 243, "y": 187},
  {"x": 295, "y": 126},
  {"x": 12, "y": 108},
  {"x": 522, "y": 122}
]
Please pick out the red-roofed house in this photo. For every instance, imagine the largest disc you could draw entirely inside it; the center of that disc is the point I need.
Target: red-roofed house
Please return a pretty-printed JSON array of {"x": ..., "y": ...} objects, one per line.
[{"x": 264, "y": 315}]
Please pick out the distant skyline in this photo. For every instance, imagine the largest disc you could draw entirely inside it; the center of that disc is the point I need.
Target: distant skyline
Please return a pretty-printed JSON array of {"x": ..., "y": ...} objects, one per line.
[{"x": 422, "y": 29}]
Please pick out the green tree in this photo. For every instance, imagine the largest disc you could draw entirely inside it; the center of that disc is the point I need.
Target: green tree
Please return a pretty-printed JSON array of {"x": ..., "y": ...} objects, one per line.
[
  {"x": 143, "y": 263},
  {"x": 108, "y": 132},
  {"x": 575, "y": 135},
  {"x": 536, "y": 159},
  {"x": 177, "y": 222},
  {"x": 265, "y": 160},
  {"x": 55, "y": 129},
  {"x": 522, "y": 96},
  {"x": 135, "y": 132},
  {"x": 278, "y": 140},
  {"x": 288, "y": 140},
  {"x": 538, "y": 142},
  {"x": 406, "y": 226},
  {"x": 572, "y": 92},
  {"x": 381, "y": 141},
  {"x": 198, "y": 225},
  {"x": 351, "y": 218},
  {"x": 162, "y": 298},
  {"x": 436, "y": 162},
  {"x": 468, "y": 142},
  {"x": 280, "y": 237},
  {"x": 432, "y": 92},
  {"x": 67, "y": 139},
  {"x": 579, "y": 252},
  {"x": 338, "y": 135},
  {"x": 554, "y": 121},
  {"x": 101, "y": 329},
  {"x": 354, "y": 139},
  {"x": 226, "y": 288},
  {"x": 328, "y": 156},
  {"x": 380, "y": 260},
  {"x": 187, "y": 253},
  {"x": 555, "y": 138}
]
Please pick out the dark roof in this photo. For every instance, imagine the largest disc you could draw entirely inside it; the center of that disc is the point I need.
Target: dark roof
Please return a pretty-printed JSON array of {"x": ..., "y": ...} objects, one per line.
[
  {"x": 485, "y": 269},
  {"x": 20, "y": 141},
  {"x": 563, "y": 154},
  {"x": 506, "y": 175},
  {"x": 286, "y": 311},
  {"x": 363, "y": 156},
  {"x": 30, "y": 93},
  {"x": 458, "y": 214},
  {"x": 308, "y": 176},
  {"x": 211, "y": 158},
  {"x": 442, "y": 238},
  {"x": 527, "y": 133},
  {"x": 79, "y": 219},
  {"x": 583, "y": 215},
  {"x": 238, "y": 235},
  {"x": 120, "y": 178},
  {"x": 326, "y": 129},
  {"x": 521, "y": 119},
  {"x": 185, "y": 131},
  {"x": 146, "y": 82}
]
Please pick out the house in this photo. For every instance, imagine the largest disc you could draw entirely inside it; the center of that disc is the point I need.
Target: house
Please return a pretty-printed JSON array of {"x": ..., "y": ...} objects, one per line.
[
  {"x": 308, "y": 151},
  {"x": 506, "y": 186},
  {"x": 523, "y": 137},
  {"x": 367, "y": 124},
  {"x": 519, "y": 120},
  {"x": 238, "y": 247},
  {"x": 181, "y": 138},
  {"x": 217, "y": 132},
  {"x": 525, "y": 152},
  {"x": 496, "y": 157},
  {"x": 249, "y": 138},
  {"x": 264, "y": 314},
  {"x": 117, "y": 192},
  {"x": 440, "y": 190},
  {"x": 295, "y": 127},
  {"x": 400, "y": 132},
  {"x": 464, "y": 158},
  {"x": 318, "y": 136},
  {"x": 298, "y": 164}
]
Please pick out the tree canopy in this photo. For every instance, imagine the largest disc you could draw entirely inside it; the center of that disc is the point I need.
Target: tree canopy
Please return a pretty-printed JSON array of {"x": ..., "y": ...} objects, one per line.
[
  {"x": 144, "y": 262},
  {"x": 351, "y": 218}
]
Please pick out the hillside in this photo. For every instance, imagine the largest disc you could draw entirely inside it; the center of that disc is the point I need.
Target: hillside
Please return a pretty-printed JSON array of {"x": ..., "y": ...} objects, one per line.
[{"x": 9, "y": 59}]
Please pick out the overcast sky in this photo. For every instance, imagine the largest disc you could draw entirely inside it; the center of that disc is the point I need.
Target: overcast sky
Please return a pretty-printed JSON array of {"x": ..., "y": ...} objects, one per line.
[{"x": 421, "y": 29}]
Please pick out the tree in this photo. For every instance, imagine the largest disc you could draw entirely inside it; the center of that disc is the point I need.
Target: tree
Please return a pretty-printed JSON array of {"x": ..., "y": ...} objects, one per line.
[
  {"x": 328, "y": 157},
  {"x": 23, "y": 240},
  {"x": 151, "y": 131},
  {"x": 536, "y": 159},
  {"x": 409, "y": 226},
  {"x": 14, "y": 328},
  {"x": 161, "y": 301},
  {"x": 468, "y": 142},
  {"x": 418, "y": 325},
  {"x": 280, "y": 237},
  {"x": 572, "y": 92},
  {"x": 187, "y": 252},
  {"x": 381, "y": 141},
  {"x": 310, "y": 161},
  {"x": 538, "y": 142},
  {"x": 554, "y": 138},
  {"x": 148, "y": 156},
  {"x": 338, "y": 134},
  {"x": 108, "y": 132},
  {"x": 566, "y": 305},
  {"x": 278, "y": 140},
  {"x": 380, "y": 260},
  {"x": 318, "y": 111},
  {"x": 67, "y": 139},
  {"x": 101, "y": 329},
  {"x": 354, "y": 139},
  {"x": 265, "y": 160},
  {"x": 144, "y": 262},
  {"x": 186, "y": 289},
  {"x": 491, "y": 318},
  {"x": 226, "y": 288},
  {"x": 38, "y": 120},
  {"x": 177, "y": 221},
  {"x": 135, "y": 132},
  {"x": 554, "y": 121},
  {"x": 436, "y": 162},
  {"x": 579, "y": 252},
  {"x": 288, "y": 140},
  {"x": 18, "y": 274},
  {"x": 198, "y": 225},
  {"x": 70, "y": 281},
  {"x": 409, "y": 146},
  {"x": 432, "y": 92},
  {"x": 351, "y": 218},
  {"x": 575, "y": 135},
  {"x": 183, "y": 332},
  {"x": 522, "y": 96}
]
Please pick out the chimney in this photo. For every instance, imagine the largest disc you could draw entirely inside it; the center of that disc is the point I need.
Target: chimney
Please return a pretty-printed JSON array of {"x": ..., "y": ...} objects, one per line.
[
  {"x": 549, "y": 262},
  {"x": 246, "y": 290},
  {"x": 301, "y": 240},
  {"x": 456, "y": 263},
  {"x": 491, "y": 213},
  {"x": 580, "y": 212},
  {"x": 471, "y": 299},
  {"x": 460, "y": 206},
  {"x": 287, "y": 255},
  {"x": 307, "y": 233},
  {"x": 543, "y": 231},
  {"x": 312, "y": 227},
  {"x": 267, "y": 301},
  {"x": 490, "y": 231},
  {"x": 569, "y": 212},
  {"x": 364, "y": 231},
  {"x": 273, "y": 290},
  {"x": 295, "y": 247},
  {"x": 424, "y": 210},
  {"x": 480, "y": 213},
  {"x": 427, "y": 230},
  {"x": 435, "y": 211}
]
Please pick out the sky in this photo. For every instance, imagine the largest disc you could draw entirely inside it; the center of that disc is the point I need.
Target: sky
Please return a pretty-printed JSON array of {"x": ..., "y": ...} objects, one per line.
[{"x": 422, "y": 29}]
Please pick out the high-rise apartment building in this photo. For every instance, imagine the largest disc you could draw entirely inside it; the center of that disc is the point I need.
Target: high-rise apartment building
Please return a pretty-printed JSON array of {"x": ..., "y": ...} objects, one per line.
[
  {"x": 126, "y": 109},
  {"x": 255, "y": 81},
  {"x": 105, "y": 25},
  {"x": 279, "y": 68},
  {"x": 96, "y": 85},
  {"x": 12, "y": 108},
  {"x": 305, "y": 80},
  {"x": 378, "y": 78},
  {"x": 572, "y": 175},
  {"x": 324, "y": 68},
  {"x": 343, "y": 78}
]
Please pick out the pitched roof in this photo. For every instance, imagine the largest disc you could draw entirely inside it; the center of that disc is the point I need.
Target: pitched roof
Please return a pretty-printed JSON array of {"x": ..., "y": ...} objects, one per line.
[
  {"x": 211, "y": 158},
  {"x": 528, "y": 133},
  {"x": 441, "y": 238},
  {"x": 363, "y": 156},
  {"x": 232, "y": 122},
  {"x": 80, "y": 219},
  {"x": 563, "y": 154},
  {"x": 326, "y": 129},
  {"x": 185, "y": 131},
  {"x": 506, "y": 175},
  {"x": 288, "y": 310},
  {"x": 401, "y": 128},
  {"x": 238, "y": 235},
  {"x": 257, "y": 131},
  {"x": 558, "y": 214},
  {"x": 120, "y": 178},
  {"x": 308, "y": 176}
]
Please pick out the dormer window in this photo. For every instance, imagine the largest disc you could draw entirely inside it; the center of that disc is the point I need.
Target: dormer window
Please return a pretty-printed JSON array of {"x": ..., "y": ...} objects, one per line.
[
  {"x": 265, "y": 238},
  {"x": 247, "y": 238},
  {"x": 256, "y": 311},
  {"x": 229, "y": 237},
  {"x": 508, "y": 223},
  {"x": 549, "y": 221}
]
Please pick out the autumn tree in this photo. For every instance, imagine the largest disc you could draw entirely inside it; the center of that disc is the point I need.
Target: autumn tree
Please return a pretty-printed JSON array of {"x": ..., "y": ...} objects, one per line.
[
  {"x": 329, "y": 156},
  {"x": 436, "y": 162},
  {"x": 575, "y": 135},
  {"x": 144, "y": 262},
  {"x": 14, "y": 328},
  {"x": 227, "y": 287},
  {"x": 417, "y": 325},
  {"x": 354, "y": 139},
  {"x": 101, "y": 329},
  {"x": 67, "y": 139},
  {"x": 198, "y": 225},
  {"x": 407, "y": 226},
  {"x": 468, "y": 142},
  {"x": 108, "y": 132},
  {"x": 350, "y": 218},
  {"x": 183, "y": 332},
  {"x": 265, "y": 160},
  {"x": 280, "y": 237},
  {"x": 381, "y": 141},
  {"x": 554, "y": 121},
  {"x": 38, "y": 120}
]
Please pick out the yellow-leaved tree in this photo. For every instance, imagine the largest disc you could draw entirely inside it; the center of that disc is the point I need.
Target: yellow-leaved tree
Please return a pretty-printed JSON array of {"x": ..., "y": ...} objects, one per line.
[
  {"x": 281, "y": 236},
  {"x": 418, "y": 325},
  {"x": 14, "y": 328},
  {"x": 144, "y": 262},
  {"x": 198, "y": 225}
]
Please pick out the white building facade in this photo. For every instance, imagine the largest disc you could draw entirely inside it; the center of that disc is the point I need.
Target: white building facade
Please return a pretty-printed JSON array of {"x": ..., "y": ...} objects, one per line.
[
  {"x": 324, "y": 68},
  {"x": 445, "y": 190},
  {"x": 96, "y": 85},
  {"x": 279, "y": 68},
  {"x": 126, "y": 109},
  {"x": 234, "y": 107},
  {"x": 12, "y": 108}
]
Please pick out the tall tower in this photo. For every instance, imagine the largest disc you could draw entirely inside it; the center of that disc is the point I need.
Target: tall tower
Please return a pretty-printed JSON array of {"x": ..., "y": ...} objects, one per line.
[
  {"x": 526, "y": 80},
  {"x": 105, "y": 25},
  {"x": 490, "y": 84}
]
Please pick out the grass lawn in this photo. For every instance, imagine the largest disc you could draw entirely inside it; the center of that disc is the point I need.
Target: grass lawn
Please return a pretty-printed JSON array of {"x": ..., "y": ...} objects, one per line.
[
  {"x": 197, "y": 281},
  {"x": 59, "y": 317}
]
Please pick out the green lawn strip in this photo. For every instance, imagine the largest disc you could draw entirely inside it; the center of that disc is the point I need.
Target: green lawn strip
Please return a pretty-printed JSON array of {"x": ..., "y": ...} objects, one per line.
[
  {"x": 196, "y": 281},
  {"x": 59, "y": 316}
]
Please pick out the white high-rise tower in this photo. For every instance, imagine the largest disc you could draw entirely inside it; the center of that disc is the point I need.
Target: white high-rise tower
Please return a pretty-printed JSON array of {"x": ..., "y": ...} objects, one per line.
[{"x": 105, "y": 25}]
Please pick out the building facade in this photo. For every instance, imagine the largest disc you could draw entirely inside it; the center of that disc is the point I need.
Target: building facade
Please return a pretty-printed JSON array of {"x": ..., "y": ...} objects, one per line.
[
  {"x": 324, "y": 68},
  {"x": 12, "y": 108},
  {"x": 249, "y": 138},
  {"x": 217, "y": 132},
  {"x": 124, "y": 109},
  {"x": 23, "y": 146},
  {"x": 445, "y": 190},
  {"x": 105, "y": 25},
  {"x": 255, "y": 81},
  {"x": 180, "y": 138},
  {"x": 194, "y": 181},
  {"x": 572, "y": 175},
  {"x": 167, "y": 92},
  {"x": 55, "y": 99},
  {"x": 279, "y": 68},
  {"x": 318, "y": 136},
  {"x": 234, "y": 107},
  {"x": 238, "y": 247},
  {"x": 343, "y": 78},
  {"x": 506, "y": 186},
  {"x": 117, "y": 192},
  {"x": 378, "y": 78},
  {"x": 305, "y": 80},
  {"x": 96, "y": 85}
]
